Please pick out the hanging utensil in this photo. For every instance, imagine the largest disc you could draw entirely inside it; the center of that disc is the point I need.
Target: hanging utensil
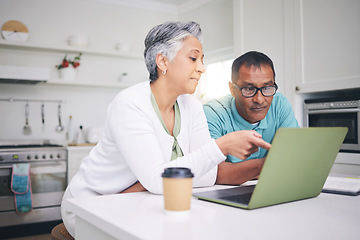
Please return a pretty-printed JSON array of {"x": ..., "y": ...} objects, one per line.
[
  {"x": 43, "y": 113},
  {"x": 43, "y": 117},
  {"x": 59, "y": 128},
  {"x": 27, "y": 128}
]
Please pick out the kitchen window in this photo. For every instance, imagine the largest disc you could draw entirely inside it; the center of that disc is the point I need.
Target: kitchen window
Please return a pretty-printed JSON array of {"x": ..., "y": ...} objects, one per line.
[{"x": 214, "y": 82}]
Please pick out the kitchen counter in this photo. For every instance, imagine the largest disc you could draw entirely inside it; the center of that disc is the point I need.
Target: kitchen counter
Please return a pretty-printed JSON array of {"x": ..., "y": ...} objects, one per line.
[
  {"x": 76, "y": 154},
  {"x": 141, "y": 216}
]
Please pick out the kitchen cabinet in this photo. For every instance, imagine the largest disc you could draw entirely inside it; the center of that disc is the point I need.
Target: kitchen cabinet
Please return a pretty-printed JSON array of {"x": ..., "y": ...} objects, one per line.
[
  {"x": 314, "y": 44},
  {"x": 346, "y": 164},
  {"x": 97, "y": 68},
  {"x": 261, "y": 26},
  {"x": 327, "y": 49},
  {"x": 75, "y": 156}
]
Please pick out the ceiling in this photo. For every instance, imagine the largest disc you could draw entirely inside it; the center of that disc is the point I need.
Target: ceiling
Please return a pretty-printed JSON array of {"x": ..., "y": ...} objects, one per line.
[
  {"x": 170, "y": 6},
  {"x": 176, "y": 3}
]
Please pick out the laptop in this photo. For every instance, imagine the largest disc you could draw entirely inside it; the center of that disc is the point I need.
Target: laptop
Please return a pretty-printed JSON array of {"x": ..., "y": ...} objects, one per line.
[{"x": 296, "y": 167}]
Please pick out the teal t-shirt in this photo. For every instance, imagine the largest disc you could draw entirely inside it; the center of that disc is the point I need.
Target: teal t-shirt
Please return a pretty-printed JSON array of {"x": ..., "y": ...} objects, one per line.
[{"x": 223, "y": 117}]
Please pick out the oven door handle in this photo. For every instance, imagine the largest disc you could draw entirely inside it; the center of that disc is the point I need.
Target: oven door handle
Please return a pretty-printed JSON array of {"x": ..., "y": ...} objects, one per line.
[
  {"x": 36, "y": 164},
  {"x": 6, "y": 167},
  {"x": 334, "y": 111}
]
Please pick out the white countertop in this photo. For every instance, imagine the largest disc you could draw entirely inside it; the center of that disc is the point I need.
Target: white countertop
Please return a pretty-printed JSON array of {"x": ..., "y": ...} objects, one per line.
[{"x": 142, "y": 216}]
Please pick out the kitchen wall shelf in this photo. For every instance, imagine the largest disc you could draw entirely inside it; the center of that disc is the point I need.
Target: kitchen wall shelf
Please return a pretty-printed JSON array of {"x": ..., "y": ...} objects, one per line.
[
  {"x": 48, "y": 47},
  {"x": 85, "y": 84}
]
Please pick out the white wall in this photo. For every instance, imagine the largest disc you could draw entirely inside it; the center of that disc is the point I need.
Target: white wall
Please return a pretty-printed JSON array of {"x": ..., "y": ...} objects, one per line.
[
  {"x": 216, "y": 20},
  {"x": 51, "y": 22},
  {"x": 261, "y": 25},
  {"x": 87, "y": 105}
]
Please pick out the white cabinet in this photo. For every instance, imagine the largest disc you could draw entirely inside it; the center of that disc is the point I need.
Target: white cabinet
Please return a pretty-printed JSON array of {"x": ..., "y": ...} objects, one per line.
[
  {"x": 75, "y": 156},
  {"x": 346, "y": 164},
  {"x": 260, "y": 26},
  {"x": 314, "y": 44},
  {"x": 327, "y": 36}
]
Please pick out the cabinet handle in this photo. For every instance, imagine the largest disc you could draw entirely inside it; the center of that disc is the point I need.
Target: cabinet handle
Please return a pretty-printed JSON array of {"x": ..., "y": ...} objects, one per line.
[{"x": 297, "y": 88}]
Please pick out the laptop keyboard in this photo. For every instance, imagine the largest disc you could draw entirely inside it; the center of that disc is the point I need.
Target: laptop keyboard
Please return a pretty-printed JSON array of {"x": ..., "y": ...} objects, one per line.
[{"x": 241, "y": 198}]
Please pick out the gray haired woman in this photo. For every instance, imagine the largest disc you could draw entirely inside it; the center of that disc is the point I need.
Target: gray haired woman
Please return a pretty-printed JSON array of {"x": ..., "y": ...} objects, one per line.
[{"x": 158, "y": 124}]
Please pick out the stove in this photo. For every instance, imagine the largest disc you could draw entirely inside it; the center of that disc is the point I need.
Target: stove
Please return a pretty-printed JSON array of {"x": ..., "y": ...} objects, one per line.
[
  {"x": 31, "y": 152},
  {"x": 48, "y": 174},
  {"x": 31, "y": 145}
]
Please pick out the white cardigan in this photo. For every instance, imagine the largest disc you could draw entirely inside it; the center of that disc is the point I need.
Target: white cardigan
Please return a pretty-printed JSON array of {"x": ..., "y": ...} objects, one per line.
[{"x": 135, "y": 147}]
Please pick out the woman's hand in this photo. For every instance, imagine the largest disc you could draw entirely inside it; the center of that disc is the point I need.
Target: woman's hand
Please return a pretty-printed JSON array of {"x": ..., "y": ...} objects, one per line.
[{"x": 241, "y": 144}]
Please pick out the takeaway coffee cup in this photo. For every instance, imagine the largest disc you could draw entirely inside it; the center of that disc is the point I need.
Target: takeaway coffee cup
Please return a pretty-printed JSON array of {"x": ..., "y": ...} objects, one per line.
[{"x": 177, "y": 183}]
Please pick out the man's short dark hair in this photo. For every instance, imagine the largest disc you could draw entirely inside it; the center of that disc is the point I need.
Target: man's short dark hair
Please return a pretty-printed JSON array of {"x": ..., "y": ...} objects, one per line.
[{"x": 250, "y": 59}]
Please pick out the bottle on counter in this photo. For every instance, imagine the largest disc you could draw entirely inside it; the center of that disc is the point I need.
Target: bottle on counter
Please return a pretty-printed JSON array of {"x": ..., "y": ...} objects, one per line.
[
  {"x": 70, "y": 133},
  {"x": 80, "y": 136}
]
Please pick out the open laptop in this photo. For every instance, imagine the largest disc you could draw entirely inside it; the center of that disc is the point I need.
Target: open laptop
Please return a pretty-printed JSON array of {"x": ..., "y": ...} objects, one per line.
[{"x": 296, "y": 167}]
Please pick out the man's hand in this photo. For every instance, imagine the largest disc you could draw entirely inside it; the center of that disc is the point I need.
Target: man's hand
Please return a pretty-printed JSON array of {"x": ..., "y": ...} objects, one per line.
[{"x": 241, "y": 144}]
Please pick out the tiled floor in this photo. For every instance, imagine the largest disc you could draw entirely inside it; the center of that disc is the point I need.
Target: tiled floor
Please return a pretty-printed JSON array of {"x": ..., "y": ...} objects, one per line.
[{"x": 34, "y": 237}]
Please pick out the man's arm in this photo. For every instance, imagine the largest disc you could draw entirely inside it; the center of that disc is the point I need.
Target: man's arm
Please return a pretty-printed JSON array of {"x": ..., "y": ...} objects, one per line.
[
  {"x": 238, "y": 173},
  {"x": 230, "y": 173},
  {"x": 137, "y": 187}
]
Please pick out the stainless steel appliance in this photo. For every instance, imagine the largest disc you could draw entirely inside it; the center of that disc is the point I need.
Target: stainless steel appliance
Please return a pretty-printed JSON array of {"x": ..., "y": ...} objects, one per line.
[
  {"x": 341, "y": 111},
  {"x": 48, "y": 174}
]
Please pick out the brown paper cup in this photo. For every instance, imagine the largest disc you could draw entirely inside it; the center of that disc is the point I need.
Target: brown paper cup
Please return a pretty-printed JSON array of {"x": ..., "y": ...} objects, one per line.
[{"x": 177, "y": 183}]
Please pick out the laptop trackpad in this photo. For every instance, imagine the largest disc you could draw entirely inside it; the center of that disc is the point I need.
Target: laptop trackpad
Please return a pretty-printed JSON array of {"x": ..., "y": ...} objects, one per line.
[{"x": 239, "y": 195}]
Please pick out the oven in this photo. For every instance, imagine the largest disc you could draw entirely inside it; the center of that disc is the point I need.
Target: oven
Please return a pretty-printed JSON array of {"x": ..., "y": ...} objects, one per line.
[
  {"x": 48, "y": 175},
  {"x": 336, "y": 112}
]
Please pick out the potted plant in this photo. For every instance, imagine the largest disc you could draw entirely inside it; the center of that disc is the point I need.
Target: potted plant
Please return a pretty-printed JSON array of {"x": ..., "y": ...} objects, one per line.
[{"x": 68, "y": 66}]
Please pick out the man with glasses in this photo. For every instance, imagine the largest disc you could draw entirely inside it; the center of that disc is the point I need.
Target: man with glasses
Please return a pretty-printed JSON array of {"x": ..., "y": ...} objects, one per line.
[{"x": 252, "y": 105}]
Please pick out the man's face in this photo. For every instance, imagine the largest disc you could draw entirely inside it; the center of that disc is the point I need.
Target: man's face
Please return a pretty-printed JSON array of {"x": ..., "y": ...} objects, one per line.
[{"x": 253, "y": 109}]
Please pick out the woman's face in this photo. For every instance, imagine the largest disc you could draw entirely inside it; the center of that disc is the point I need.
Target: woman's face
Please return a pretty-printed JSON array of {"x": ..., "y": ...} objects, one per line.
[{"x": 185, "y": 70}]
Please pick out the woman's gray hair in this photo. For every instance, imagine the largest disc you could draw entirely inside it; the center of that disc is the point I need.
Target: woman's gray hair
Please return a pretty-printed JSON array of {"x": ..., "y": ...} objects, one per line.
[{"x": 167, "y": 39}]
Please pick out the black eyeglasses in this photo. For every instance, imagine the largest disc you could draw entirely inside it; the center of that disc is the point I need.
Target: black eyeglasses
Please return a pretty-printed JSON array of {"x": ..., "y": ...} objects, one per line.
[{"x": 266, "y": 91}]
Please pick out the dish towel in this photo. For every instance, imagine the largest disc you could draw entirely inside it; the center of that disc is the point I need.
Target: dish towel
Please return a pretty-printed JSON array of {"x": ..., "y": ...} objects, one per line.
[{"x": 21, "y": 187}]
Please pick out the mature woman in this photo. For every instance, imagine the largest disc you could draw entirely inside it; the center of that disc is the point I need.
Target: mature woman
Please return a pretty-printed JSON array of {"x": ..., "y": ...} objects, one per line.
[{"x": 158, "y": 124}]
